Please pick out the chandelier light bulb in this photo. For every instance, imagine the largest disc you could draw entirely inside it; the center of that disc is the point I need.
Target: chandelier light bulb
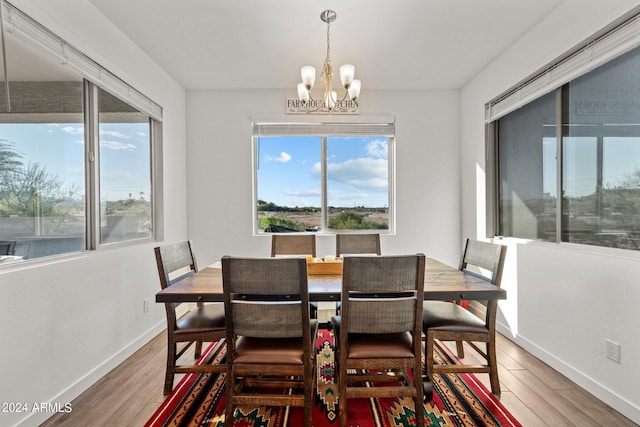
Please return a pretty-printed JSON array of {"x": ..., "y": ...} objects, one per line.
[
  {"x": 354, "y": 89},
  {"x": 347, "y": 71},
  {"x": 303, "y": 93},
  {"x": 308, "y": 74}
]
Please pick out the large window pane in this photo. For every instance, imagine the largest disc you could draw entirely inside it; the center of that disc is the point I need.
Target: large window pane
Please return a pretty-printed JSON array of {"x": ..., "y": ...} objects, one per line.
[
  {"x": 288, "y": 184},
  {"x": 358, "y": 183},
  {"x": 527, "y": 170},
  {"x": 42, "y": 206},
  {"x": 125, "y": 174}
]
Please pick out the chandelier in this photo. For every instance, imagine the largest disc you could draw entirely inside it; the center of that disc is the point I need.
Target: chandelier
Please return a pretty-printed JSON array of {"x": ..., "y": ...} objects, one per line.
[{"x": 330, "y": 99}]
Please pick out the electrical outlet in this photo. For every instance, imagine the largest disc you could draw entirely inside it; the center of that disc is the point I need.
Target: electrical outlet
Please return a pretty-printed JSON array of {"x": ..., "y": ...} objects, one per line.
[
  {"x": 145, "y": 305},
  {"x": 613, "y": 351}
]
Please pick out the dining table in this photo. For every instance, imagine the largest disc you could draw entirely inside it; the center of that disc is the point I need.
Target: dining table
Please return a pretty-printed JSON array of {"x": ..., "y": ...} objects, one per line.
[{"x": 441, "y": 282}]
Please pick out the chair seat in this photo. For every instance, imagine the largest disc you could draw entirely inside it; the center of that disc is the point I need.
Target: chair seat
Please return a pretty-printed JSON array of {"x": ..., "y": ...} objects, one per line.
[
  {"x": 376, "y": 346},
  {"x": 274, "y": 351},
  {"x": 448, "y": 316},
  {"x": 209, "y": 317}
]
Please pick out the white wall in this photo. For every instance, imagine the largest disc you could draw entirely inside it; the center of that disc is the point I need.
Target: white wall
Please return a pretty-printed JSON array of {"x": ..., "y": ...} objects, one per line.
[
  {"x": 563, "y": 300},
  {"x": 220, "y": 176},
  {"x": 66, "y": 322}
]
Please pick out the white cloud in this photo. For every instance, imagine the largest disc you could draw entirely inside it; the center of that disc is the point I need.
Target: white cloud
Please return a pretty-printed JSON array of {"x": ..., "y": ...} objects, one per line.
[
  {"x": 79, "y": 130},
  {"x": 113, "y": 133},
  {"x": 364, "y": 173},
  {"x": 115, "y": 145},
  {"x": 283, "y": 158},
  {"x": 378, "y": 148}
]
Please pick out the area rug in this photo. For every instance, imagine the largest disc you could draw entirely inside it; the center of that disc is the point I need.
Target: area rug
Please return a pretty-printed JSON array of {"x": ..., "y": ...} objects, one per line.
[{"x": 458, "y": 400}]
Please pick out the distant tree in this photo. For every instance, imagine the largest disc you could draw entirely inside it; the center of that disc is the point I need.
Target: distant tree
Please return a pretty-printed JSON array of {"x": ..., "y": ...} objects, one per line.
[
  {"x": 263, "y": 206},
  {"x": 25, "y": 194},
  {"x": 10, "y": 165},
  {"x": 269, "y": 206},
  {"x": 631, "y": 180}
]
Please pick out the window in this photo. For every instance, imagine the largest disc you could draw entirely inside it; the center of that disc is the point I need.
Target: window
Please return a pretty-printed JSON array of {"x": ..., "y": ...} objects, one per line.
[
  {"x": 338, "y": 179},
  {"x": 598, "y": 159},
  {"x": 125, "y": 171},
  {"x": 75, "y": 150}
]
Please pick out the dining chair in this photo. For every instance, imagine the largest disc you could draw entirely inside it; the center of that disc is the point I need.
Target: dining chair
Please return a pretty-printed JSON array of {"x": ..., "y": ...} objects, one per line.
[
  {"x": 295, "y": 244},
  {"x": 378, "y": 333},
  {"x": 271, "y": 357},
  {"x": 449, "y": 321},
  {"x": 206, "y": 323},
  {"x": 352, "y": 244},
  {"x": 348, "y": 244}
]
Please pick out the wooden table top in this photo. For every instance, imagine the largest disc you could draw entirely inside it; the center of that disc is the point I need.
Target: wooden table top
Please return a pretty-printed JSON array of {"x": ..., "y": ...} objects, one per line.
[{"x": 441, "y": 282}]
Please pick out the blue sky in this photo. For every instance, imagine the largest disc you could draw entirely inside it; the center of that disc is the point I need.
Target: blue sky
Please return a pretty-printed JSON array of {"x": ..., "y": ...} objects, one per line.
[
  {"x": 289, "y": 171},
  {"x": 124, "y": 150}
]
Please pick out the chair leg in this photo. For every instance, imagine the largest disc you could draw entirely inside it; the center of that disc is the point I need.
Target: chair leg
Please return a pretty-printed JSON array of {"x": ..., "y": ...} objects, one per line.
[
  {"x": 171, "y": 363},
  {"x": 493, "y": 367},
  {"x": 419, "y": 399},
  {"x": 308, "y": 402},
  {"x": 341, "y": 377},
  {"x": 429, "y": 354},
  {"x": 342, "y": 410},
  {"x": 460, "y": 349},
  {"x": 229, "y": 407},
  {"x": 198, "y": 350}
]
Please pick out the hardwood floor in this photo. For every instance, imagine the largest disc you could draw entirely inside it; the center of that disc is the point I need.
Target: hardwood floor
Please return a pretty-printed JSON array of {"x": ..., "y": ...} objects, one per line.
[{"x": 533, "y": 392}]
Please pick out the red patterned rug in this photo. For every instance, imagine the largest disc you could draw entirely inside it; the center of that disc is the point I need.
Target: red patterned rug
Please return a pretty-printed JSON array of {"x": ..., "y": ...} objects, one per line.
[{"x": 458, "y": 400}]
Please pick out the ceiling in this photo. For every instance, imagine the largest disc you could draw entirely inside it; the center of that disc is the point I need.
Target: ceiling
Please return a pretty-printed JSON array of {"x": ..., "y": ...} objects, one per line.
[{"x": 253, "y": 44}]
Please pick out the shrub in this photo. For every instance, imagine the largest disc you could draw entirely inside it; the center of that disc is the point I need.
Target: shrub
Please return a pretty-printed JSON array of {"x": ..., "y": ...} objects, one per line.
[{"x": 280, "y": 220}]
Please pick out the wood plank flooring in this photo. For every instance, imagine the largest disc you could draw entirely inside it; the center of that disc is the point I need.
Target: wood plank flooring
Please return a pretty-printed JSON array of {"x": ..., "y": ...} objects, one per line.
[{"x": 533, "y": 392}]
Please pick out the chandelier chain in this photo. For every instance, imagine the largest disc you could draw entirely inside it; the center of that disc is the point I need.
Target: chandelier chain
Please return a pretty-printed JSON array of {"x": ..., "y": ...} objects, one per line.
[
  {"x": 326, "y": 67},
  {"x": 328, "y": 42}
]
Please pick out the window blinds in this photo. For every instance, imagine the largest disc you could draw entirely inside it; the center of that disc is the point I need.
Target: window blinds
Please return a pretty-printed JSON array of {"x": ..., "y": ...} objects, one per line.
[
  {"x": 591, "y": 54},
  {"x": 384, "y": 127},
  {"x": 28, "y": 30}
]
